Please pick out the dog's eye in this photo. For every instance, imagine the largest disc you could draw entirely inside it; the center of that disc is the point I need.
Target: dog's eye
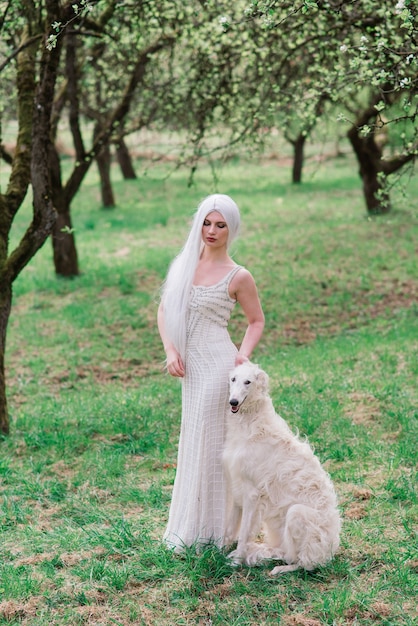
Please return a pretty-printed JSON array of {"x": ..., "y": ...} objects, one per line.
[
  {"x": 247, "y": 382},
  {"x": 233, "y": 379}
]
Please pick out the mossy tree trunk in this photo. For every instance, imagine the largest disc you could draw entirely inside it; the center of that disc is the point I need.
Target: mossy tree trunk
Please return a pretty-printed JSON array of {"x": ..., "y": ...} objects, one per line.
[
  {"x": 29, "y": 164},
  {"x": 5, "y": 307},
  {"x": 13, "y": 198}
]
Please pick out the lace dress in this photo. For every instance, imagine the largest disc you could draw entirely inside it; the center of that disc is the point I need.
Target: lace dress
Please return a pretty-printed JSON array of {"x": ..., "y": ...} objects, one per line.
[{"x": 198, "y": 505}]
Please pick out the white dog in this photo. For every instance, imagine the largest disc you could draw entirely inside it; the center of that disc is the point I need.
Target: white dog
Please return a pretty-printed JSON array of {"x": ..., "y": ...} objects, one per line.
[{"x": 275, "y": 482}]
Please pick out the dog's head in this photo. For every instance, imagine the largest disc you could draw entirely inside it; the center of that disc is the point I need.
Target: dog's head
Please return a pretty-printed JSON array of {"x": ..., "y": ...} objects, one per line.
[{"x": 247, "y": 384}]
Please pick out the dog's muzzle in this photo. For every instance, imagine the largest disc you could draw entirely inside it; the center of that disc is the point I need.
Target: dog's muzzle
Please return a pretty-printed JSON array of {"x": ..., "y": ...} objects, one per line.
[{"x": 234, "y": 405}]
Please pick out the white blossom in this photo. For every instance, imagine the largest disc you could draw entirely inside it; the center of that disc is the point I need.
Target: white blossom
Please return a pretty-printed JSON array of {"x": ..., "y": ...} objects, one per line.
[{"x": 404, "y": 82}]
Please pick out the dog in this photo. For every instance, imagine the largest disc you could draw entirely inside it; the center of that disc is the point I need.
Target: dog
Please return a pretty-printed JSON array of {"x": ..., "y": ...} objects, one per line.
[{"x": 276, "y": 485}]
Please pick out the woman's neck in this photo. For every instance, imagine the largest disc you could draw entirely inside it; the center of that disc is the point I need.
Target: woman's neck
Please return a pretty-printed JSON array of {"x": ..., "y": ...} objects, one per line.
[
  {"x": 212, "y": 267},
  {"x": 218, "y": 257}
]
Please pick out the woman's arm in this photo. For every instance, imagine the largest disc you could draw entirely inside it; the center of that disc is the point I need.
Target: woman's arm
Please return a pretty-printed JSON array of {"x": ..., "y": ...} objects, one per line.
[
  {"x": 174, "y": 362},
  {"x": 245, "y": 291}
]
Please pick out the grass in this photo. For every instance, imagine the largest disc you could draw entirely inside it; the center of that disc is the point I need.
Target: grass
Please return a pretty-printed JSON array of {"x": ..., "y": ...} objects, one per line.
[{"x": 86, "y": 475}]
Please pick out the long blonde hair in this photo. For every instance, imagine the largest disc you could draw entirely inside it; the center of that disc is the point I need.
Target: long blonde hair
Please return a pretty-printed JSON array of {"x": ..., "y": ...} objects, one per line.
[{"x": 178, "y": 283}]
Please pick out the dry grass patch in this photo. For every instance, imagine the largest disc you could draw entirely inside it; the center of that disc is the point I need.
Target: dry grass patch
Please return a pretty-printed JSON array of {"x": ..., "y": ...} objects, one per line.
[
  {"x": 300, "y": 619},
  {"x": 363, "y": 408},
  {"x": 12, "y": 610}
]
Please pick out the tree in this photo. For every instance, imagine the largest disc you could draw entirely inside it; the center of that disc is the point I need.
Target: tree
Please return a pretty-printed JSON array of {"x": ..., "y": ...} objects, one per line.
[
  {"x": 279, "y": 62},
  {"x": 374, "y": 166},
  {"x": 119, "y": 37},
  {"x": 368, "y": 56},
  {"x": 296, "y": 132},
  {"x": 36, "y": 70},
  {"x": 385, "y": 60},
  {"x": 244, "y": 77}
]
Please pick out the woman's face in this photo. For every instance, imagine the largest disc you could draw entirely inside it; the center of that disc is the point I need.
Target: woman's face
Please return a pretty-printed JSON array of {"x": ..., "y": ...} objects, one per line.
[{"x": 215, "y": 230}]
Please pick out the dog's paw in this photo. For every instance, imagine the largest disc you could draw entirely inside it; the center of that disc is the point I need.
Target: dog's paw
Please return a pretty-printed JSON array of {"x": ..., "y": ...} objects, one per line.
[
  {"x": 253, "y": 559},
  {"x": 257, "y": 553},
  {"x": 236, "y": 558},
  {"x": 276, "y": 554}
]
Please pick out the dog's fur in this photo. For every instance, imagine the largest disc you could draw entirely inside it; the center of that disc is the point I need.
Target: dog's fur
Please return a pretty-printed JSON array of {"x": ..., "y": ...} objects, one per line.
[{"x": 276, "y": 484}]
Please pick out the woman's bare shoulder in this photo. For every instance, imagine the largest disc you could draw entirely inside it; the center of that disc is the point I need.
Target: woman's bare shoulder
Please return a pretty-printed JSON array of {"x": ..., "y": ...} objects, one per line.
[
  {"x": 243, "y": 275},
  {"x": 242, "y": 280}
]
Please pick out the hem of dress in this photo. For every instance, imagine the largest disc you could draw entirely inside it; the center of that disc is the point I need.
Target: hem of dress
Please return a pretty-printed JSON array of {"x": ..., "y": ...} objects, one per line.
[{"x": 176, "y": 545}]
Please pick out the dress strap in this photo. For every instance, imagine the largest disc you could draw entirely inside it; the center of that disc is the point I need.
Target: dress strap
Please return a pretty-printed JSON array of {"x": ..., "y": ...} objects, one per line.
[
  {"x": 229, "y": 278},
  {"x": 232, "y": 273}
]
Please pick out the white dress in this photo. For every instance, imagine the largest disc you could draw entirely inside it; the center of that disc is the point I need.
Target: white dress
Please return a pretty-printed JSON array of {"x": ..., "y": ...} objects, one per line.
[{"x": 198, "y": 506}]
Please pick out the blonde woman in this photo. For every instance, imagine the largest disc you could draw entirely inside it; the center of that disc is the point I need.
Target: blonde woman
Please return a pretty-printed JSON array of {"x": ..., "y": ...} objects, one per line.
[{"x": 202, "y": 286}]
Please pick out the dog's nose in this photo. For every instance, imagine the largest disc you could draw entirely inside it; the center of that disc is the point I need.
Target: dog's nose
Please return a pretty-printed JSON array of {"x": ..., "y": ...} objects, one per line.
[{"x": 233, "y": 402}]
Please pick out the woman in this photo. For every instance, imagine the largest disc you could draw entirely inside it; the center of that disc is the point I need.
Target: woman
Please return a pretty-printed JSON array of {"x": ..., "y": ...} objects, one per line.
[{"x": 202, "y": 286}]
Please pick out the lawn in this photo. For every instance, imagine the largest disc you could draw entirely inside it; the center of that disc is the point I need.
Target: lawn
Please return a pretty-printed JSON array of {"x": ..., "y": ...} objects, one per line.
[{"x": 87, "y": 472}]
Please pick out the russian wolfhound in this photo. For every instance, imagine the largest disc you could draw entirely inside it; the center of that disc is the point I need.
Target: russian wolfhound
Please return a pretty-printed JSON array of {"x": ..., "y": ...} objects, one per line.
[{"x": 276, "y": 484}]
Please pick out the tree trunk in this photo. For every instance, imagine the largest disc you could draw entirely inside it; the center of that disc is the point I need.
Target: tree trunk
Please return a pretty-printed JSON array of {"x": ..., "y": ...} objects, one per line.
[
  {"x": 375, "y": 194},
  {"x": 298, "y": 158},
  {"x": 103, "y": 163},
  {"x": 369, "y": 156},
  {"x": 124, "y": 160},
  {"x": 63, "y": 244},
  {"x": 63, "y": 241},
  {"x": 5, "y": 307},
  {"x": 373, "y": 169}
]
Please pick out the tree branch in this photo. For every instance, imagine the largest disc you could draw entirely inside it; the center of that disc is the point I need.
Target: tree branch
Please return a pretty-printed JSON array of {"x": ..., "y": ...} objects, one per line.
[
  {"x": 392, "y": 165},
  {"x": 21, "y": 48},
  {"x": 72, "y": 90}
]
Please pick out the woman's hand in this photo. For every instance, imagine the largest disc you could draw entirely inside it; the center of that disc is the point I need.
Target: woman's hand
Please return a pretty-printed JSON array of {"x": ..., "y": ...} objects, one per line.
[
  {"x": 240, "y": 358},
  {"x": 175, "y": 366}
]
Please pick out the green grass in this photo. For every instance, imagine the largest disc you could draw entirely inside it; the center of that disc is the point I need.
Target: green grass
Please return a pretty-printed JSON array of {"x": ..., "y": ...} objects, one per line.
[{"x": 87, "y": 472}]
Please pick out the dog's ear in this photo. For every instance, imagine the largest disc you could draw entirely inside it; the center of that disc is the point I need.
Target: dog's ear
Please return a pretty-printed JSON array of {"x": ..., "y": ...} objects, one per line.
[{"x": 262, "y": 381}]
